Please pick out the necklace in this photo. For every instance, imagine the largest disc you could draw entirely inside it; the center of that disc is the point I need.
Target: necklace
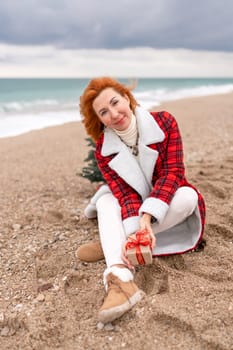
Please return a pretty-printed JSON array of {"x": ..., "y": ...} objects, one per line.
[
  {"x": 134, "y": 148},
  {"x": 130, "y": 135}
]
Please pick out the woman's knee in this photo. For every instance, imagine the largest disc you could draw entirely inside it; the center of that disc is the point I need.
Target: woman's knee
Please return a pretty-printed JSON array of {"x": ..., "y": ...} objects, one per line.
[
  {"x": 185, "y": 200},
  {"x": 107, "y": 203}
]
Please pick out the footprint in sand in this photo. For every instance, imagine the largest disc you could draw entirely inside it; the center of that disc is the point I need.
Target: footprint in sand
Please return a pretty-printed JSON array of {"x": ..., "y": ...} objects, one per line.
[
  {"x": 74, "y": 282},
  {"x": 183, "y": 331},
  {"x": 218, "y": 192},
  {"x": 216, "y": 268},
  {"x": 175, "y": 262},
  {"x": 152, "y": 279},
  {"x": 50, "y": 262},
  {"x": 52, "y": 216},
  {"x": 220, "y": 231}
]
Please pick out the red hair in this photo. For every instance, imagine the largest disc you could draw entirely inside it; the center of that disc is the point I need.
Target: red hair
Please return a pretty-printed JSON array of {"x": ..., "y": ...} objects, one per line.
[{"x": 93, "y": 125}]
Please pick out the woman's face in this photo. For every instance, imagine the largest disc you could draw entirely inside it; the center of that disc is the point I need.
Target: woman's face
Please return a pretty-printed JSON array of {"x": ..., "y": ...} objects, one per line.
[{"x": 113, "y": 109}]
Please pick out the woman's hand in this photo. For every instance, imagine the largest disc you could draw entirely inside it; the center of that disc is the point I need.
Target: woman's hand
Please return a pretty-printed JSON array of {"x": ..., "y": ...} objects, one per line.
[{"x": 145, "y": 224}]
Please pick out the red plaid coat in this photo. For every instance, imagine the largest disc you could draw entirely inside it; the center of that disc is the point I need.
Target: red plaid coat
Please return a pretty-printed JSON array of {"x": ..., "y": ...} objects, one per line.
[{"x": 160, "y": 173}]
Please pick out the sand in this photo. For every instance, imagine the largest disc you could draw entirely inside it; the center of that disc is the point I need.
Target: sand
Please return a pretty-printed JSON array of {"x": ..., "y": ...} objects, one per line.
[{"x": 49, "y": 300}]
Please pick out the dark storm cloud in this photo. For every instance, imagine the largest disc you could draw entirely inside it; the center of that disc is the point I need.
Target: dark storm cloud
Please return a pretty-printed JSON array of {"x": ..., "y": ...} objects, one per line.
[{"x": 199, "y": 24}]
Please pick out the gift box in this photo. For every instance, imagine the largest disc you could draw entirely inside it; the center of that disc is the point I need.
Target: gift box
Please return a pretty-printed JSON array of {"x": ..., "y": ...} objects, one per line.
[{"x": 138, "y": 248}]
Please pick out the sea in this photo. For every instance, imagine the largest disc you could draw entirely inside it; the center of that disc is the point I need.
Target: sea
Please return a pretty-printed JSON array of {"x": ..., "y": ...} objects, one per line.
[{"x": 30, "y": 104}]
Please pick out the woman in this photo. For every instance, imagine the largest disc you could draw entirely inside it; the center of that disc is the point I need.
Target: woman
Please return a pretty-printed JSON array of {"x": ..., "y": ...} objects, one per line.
[{"x": 140, "y": 155}]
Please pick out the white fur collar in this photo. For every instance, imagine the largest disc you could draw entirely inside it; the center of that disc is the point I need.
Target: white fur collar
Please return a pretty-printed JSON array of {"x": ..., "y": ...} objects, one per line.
[
  {"x": 149, "y": 132},
  {"x": 137, "y": 174}
]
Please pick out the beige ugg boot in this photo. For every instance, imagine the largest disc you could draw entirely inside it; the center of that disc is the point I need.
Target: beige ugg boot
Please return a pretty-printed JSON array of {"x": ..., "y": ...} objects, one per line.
[
  {"x": 90, "y": 252},
  {"x": 122, "y": 294}
]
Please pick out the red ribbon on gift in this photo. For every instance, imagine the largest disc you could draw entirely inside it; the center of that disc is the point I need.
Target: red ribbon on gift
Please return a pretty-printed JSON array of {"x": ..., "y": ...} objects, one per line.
[{"x": 142, "y": 238}]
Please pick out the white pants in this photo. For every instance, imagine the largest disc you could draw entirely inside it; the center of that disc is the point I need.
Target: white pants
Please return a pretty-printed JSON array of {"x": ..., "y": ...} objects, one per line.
[{"x": 111, "y": 229}]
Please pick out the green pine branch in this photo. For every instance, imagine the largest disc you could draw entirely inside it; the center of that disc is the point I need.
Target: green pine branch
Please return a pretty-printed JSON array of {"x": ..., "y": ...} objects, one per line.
[{"x": 91, "y": 170}]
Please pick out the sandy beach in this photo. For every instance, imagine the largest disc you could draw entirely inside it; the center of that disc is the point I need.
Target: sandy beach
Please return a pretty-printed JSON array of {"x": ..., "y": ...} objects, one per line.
[{"x": 49, "y": 300}]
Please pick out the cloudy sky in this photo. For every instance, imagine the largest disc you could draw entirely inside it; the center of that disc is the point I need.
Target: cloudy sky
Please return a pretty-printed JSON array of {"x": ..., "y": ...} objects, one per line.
[{"x": 124, "y": 38}]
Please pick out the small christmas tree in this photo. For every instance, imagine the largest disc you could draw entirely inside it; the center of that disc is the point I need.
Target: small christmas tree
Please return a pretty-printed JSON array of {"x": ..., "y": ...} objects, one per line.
[{"x": 91, "y": 171}]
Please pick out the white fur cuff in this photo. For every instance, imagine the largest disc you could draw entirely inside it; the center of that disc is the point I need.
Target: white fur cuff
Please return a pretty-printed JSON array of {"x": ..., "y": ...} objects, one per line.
[
  {"x": 124, "y": 274},
  {"x": 156, "y": 207},
  {"x": 131, "y": 225}
]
